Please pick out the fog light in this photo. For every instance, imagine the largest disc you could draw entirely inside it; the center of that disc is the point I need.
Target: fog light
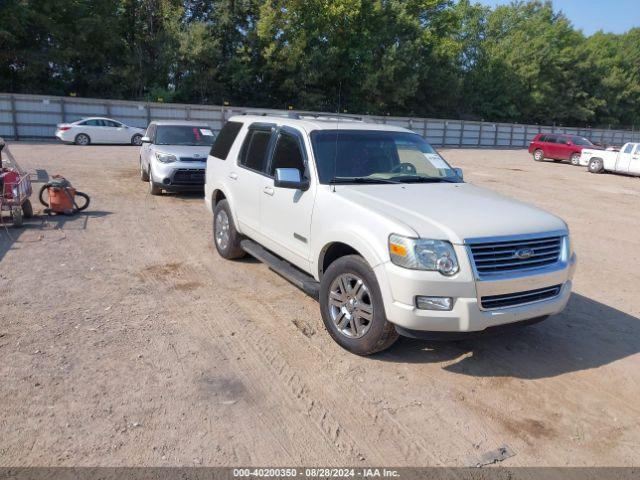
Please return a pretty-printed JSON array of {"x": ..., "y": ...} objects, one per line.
[{"x": 434, "y": 303}]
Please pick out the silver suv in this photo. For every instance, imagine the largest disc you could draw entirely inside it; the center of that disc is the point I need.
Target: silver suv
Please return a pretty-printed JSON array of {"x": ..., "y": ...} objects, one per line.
[{"x": 173, "y": 155}]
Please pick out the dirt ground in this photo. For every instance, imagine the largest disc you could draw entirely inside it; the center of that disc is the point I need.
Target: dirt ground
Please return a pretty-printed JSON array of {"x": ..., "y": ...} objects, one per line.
[{"x": 126, "y": 340}]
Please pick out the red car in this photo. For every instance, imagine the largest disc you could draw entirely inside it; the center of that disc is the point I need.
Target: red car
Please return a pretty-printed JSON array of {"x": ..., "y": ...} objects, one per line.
[{"x": 558, "y": 147}]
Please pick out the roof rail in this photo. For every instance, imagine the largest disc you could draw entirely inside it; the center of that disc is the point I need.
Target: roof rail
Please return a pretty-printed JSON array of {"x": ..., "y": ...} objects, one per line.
[
  {"x": 273, "y": 114},
  {"x": 332, "y": 116},
  {"x": 302, "y": 115}
]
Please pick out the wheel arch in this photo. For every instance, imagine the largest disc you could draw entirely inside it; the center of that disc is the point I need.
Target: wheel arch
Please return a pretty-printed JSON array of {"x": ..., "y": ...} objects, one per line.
[
  {"x": 333, "y": 251},
  {"x": 216, "y": 196}
]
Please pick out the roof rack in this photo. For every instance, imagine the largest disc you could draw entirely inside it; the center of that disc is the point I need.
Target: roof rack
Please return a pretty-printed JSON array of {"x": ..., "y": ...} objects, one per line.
[
  {"x": 302, "y": 115},
  {"x": 273, "y": 114},
  {"x": 332, "y": 116}
]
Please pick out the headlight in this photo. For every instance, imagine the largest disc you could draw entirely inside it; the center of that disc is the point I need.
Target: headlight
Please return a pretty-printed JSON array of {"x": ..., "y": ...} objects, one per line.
[
  {"x": 423, "y": 254},
  {"x": 166, "y": 157}
]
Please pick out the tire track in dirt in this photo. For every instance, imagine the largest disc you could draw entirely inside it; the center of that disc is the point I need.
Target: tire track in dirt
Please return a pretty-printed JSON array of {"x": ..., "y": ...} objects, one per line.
[{"x": 393, "y": 443}]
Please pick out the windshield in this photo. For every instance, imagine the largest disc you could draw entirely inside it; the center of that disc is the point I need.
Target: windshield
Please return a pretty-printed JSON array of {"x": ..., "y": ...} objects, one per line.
[
  {"x": 372, "y": 156},
  {"x": 581, "y": 141},
  {"x": 184, "y": 135}
]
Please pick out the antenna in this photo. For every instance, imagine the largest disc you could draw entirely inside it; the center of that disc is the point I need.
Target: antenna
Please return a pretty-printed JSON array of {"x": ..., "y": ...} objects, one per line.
[{"x": 335, "y": 156}]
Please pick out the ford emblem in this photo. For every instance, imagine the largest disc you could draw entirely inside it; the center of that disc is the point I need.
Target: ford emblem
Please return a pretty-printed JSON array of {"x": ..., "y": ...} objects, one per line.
[{"x": 523, "y": 253}]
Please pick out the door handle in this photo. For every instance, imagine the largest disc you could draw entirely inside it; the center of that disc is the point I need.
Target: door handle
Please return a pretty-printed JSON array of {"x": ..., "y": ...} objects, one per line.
[
  {"x": 233, "y": 176},
  {"x": 269, "y": 191}
]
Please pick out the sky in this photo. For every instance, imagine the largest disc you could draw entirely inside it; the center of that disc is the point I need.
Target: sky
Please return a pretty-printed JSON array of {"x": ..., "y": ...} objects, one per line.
[{"x": 614, "y": 16}]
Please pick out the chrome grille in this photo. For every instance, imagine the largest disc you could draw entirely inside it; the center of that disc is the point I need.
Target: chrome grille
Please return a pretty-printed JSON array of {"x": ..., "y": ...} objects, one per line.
[
  {"x": 507, "y": 256},
  {"x": 520, "y": 298}
]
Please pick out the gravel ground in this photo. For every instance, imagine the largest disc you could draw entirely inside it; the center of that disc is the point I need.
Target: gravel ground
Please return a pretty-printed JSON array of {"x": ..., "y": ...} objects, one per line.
[{"x": 126, "y": 340}]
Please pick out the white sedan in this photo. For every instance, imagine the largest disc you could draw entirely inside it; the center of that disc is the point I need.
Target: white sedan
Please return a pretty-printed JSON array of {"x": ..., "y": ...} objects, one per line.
[{"x": 99, "y": 130}]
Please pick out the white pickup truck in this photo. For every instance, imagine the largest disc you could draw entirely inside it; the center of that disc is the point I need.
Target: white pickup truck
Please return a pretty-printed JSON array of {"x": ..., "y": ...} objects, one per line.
[
  {"x": 627, "y": 160},
  {"x": 371, "y": 220}
]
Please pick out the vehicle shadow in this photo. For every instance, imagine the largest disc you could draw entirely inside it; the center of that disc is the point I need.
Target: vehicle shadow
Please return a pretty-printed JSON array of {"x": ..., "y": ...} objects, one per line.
[
  {"x": 9, "y": 236},
  {"x": 588, "y": 334},
  {"x": 186, "y": 196}
]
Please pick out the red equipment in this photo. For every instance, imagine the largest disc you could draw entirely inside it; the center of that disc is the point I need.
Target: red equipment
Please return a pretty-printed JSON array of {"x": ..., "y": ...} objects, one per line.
[
  {"x": 62, "y": 197},
  {"x": 15, "y": 188}
]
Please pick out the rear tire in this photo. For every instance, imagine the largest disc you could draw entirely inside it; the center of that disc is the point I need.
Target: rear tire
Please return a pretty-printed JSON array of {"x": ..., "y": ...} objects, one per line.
[
  {"x": 225, "y": 236},
  {"x": 27, "y": 209},
  {"x": 538, "y": 155},
  {"x": 136, "y": 140},
  {"x": 82, "y": 139},
  {"x": 596, "y": 165},
  {"x": 575, "y": 159},
  {"x": 349, "y": 293}
]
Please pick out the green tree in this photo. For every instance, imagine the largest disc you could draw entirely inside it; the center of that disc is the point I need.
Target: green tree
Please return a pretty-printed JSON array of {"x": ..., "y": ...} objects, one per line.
[{"x": 367, "y": 52}]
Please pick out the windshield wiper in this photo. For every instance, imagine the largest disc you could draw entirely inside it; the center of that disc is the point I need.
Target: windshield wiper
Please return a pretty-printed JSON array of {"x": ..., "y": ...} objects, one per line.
[
  {"x": 423, "y": 179},
  {"x": 336, "y": 180}
]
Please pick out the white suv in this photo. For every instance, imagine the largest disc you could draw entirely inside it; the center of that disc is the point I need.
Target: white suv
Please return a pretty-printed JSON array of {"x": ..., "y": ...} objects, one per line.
[{"x": 371, "y": 219}]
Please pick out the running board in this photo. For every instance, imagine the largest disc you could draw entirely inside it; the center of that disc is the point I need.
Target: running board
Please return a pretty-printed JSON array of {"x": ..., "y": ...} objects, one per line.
[{"x": 303, "y": 281}]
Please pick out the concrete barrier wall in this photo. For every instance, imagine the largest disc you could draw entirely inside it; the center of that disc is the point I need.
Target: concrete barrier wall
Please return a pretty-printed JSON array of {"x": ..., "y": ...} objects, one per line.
[{"x": 36, "y": 117}]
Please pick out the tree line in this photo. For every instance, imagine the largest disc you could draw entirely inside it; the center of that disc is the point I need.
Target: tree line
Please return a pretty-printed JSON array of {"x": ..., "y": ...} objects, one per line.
[{"x": 523, "y": 62}]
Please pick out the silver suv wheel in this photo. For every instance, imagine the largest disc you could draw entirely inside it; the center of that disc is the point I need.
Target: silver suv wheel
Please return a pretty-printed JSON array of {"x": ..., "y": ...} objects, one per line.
[{"x": 350, "y": 305}]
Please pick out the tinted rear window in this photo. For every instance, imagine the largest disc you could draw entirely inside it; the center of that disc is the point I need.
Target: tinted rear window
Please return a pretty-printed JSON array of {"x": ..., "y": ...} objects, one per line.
[
  {"x": 225, "y": 140},
  {"x": 255, "y": 150}
]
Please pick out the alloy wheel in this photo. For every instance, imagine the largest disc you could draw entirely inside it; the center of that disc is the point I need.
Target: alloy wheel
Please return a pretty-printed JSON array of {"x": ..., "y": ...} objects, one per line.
[
  {"x": 222, "y": 233},
  {"x": 350, "y": 305}
]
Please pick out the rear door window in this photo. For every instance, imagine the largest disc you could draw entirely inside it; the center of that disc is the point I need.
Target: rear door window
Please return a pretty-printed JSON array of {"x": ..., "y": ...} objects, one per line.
[
  {"x": 224, "y": 142},
  {"x": 629, "y": 148},
  {"x": 254, "y": 150}
]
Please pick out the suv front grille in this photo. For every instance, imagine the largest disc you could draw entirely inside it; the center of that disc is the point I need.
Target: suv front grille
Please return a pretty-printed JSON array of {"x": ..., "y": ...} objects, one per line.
[
  {"x": 515, "y": 255},
  {"x": 189, "y": 176},
  {"x": 520, "y": 298}
]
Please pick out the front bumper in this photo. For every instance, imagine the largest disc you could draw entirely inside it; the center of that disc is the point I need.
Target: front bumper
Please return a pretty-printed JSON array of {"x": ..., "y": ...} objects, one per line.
[
  {"x": 179, "y": 176},
  {"x": 400, "y": 286}
]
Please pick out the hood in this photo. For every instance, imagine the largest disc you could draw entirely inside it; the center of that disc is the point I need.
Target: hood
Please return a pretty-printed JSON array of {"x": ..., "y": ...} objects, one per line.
[
  {"x": 454, "y": 211},
  {"x": 186, "y": 151}
]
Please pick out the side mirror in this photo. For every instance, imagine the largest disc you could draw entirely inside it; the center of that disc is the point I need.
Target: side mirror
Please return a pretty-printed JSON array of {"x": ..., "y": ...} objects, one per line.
[
  {"x": 459, "y": 173},
  {"x": 145, "y": 140},
  {"x": 290, "y": 178}
]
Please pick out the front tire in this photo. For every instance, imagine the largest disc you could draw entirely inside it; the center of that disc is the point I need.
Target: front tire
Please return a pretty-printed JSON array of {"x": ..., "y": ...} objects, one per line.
[
  {"x": 136, "y": 140},
  {"x": 27, "y": 209},
  {"x": 154, "y": 188},
  {"x": 575, "y": 159},
  {"x": 144, "y": 176},
  {"x": 538, "y": 155},
  {"x": 82, "y": 139},
  {"x": 352, "y": 307},
  {"x": 596, "y": 165},
  {"x": 17, "y": 217},
  {"x": 225, "y": 236}
]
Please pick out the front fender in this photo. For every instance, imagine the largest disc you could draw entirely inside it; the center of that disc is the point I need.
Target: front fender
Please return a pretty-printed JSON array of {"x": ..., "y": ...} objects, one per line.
[{"x": 366, "y": 249}]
